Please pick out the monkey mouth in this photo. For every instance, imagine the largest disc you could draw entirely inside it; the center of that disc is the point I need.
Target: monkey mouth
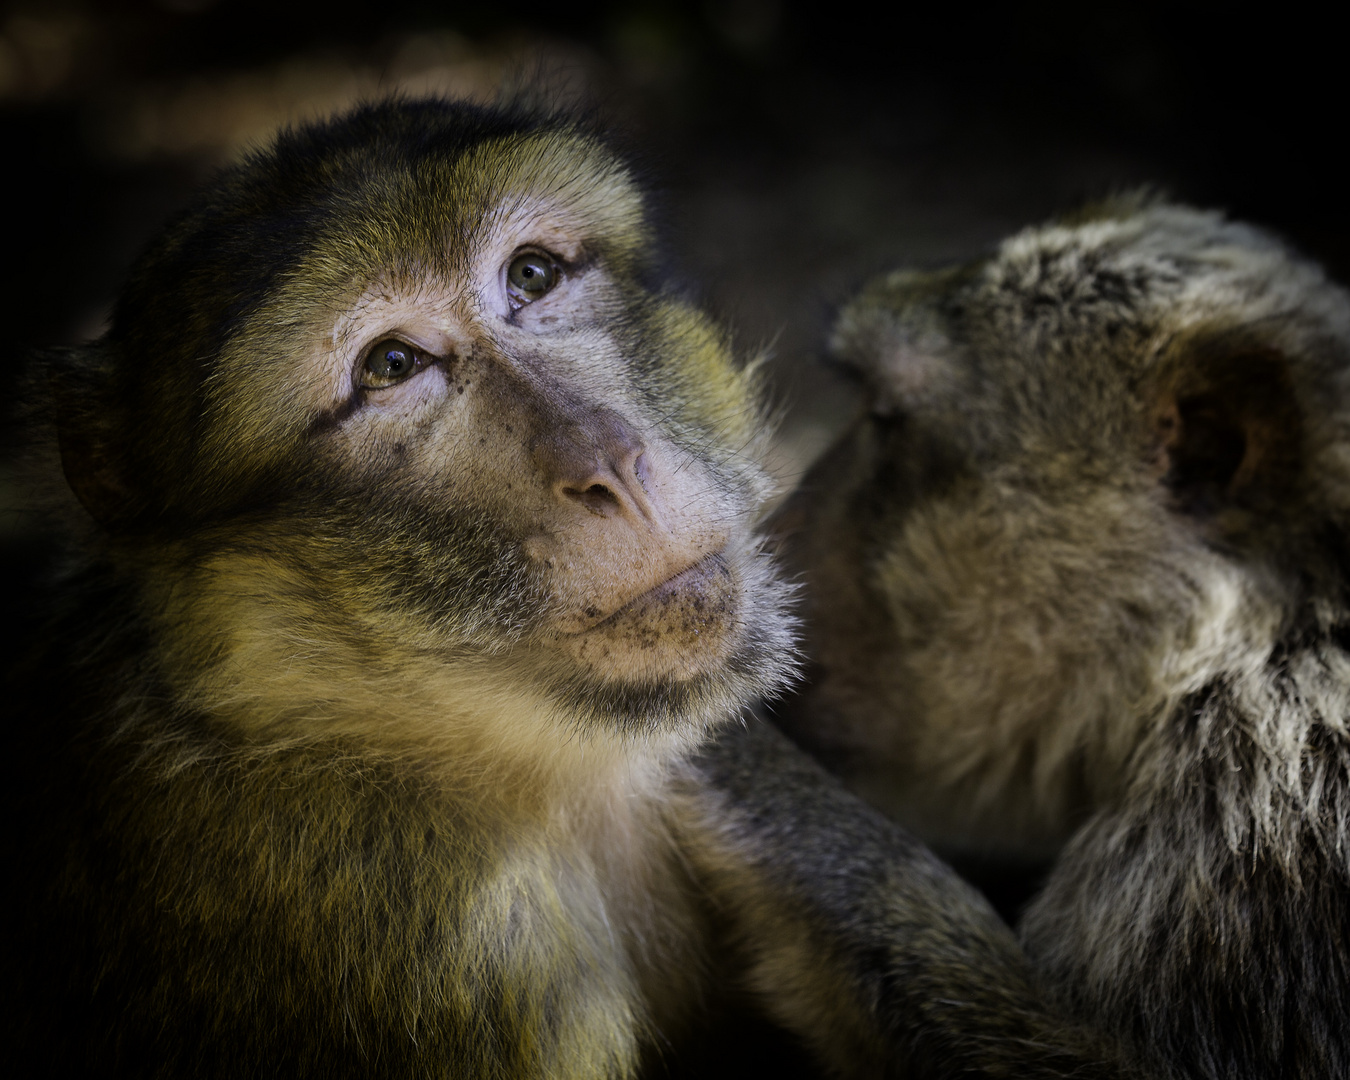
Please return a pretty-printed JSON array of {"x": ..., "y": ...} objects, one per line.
[
  {"x": 700, "y": 591},
  {"x": 682, "y": 628},
  {"x": 687, "y": 585}
]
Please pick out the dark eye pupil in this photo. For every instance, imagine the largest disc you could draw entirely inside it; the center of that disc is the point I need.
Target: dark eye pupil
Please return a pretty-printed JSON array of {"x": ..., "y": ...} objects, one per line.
[
  {"x": 391, "y": 363},
  {"x": 531, "y": 274}
]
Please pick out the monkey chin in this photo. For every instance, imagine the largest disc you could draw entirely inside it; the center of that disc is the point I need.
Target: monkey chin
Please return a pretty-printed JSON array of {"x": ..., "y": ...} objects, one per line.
[
  {"x": 682, "y": 658},
  {"x": 682, "y": 629}
]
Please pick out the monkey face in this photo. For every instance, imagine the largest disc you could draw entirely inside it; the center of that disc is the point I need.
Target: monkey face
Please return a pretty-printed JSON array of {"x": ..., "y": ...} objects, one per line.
[
  {"x": 510, "y": 401},
  {"x": 1084, "y": 486},
  {"x": 429, "y": 381}
]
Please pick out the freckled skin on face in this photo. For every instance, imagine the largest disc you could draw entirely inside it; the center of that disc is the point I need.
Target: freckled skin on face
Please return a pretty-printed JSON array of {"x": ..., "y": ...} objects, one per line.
[{"x": 519, "y": 406}]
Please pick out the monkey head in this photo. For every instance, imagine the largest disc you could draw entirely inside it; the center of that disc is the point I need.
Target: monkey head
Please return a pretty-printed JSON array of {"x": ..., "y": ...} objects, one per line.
[
  {"x": 412, "y": 375},
  {"x": 1100, "y": 467}
]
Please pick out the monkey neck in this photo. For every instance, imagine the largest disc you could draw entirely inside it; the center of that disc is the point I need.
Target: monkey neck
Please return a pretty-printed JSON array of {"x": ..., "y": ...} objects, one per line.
[
  {"x": 269, "y": 669},
  {"x": 256, "y": 687},
  {"x": 1019, "y": 751},
  {"x": 1267, "y": 742}
]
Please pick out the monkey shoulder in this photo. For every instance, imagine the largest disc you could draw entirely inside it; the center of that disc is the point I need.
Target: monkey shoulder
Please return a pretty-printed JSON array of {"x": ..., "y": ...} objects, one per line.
[{"x": 317, "y": 908}]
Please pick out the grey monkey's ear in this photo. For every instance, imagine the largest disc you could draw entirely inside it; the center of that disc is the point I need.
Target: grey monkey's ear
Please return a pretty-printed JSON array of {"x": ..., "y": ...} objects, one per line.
[
  {"x": 1228, "y": 430},
  {"x": 894, "y": 337},
  {"x": 91, "y": 431}
]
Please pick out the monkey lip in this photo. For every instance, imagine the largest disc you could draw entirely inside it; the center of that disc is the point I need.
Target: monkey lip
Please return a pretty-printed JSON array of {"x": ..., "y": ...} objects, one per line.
[{"x": 691, "y": 582}]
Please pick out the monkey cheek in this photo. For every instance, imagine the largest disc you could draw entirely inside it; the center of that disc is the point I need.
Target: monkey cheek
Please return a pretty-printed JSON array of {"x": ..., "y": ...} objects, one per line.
[{"x": 683, "y": 628}]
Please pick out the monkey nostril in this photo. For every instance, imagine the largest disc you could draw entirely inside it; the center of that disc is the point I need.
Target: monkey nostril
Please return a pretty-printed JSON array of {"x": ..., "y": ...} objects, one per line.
[{"x": 597, "y": 498}]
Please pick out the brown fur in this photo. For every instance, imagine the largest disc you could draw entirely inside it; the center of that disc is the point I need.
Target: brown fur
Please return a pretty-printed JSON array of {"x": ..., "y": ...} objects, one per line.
[{"x": 387, "y": 726}]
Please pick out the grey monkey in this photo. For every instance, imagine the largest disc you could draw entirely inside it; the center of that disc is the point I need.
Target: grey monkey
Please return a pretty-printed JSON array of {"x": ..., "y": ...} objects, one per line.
[{"x": 1077, "y": 595}]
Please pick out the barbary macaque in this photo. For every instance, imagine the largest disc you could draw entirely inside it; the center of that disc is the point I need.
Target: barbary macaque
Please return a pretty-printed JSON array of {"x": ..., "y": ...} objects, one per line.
[
  {"x": 1078, "y": 595},
  {"x": 390, "y": 715}
]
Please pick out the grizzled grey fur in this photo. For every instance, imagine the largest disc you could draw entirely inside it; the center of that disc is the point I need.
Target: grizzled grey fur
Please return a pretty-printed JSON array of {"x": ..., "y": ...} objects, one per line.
[{"x": 1078, "y": 593}]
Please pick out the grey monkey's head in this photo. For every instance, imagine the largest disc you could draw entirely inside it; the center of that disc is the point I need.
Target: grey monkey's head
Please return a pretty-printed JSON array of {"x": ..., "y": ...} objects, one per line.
[{"x": 1098, "y": 466}]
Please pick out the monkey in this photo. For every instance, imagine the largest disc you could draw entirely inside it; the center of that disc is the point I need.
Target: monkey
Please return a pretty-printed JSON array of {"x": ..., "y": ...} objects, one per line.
[
  {"x": 1077, "y": 599},
  {"x": 392, "y": 707}
]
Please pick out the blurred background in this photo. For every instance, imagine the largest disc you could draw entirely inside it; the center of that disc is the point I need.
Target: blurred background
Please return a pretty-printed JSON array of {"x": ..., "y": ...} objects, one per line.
[{"x": 797, "y": 149}]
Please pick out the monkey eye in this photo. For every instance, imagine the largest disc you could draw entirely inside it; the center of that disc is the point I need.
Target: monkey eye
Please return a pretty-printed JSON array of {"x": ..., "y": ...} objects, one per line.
[
  {"x": 530, "y": 276},
  {"x": 391, "y": 362}
]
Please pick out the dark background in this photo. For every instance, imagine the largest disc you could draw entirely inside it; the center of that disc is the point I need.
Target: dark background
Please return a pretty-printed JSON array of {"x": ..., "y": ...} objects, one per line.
[{"x": 798, "y": 149}]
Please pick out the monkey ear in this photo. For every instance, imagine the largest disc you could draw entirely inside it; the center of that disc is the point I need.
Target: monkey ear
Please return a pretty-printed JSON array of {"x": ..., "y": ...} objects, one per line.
[
  {"x": 90, "y": 430},
  {"x": 1228, "y": 432},
  {"x": 894, "y": 339}
]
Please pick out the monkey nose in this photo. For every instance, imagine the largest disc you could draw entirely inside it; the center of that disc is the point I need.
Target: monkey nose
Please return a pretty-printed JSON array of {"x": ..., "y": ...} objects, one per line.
[
  {"x": 600, "y": 465},
  {"x": 611, "y": 488}
]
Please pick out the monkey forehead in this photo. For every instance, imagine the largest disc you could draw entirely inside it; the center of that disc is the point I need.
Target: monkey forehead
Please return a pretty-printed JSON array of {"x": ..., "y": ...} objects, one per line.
[
  {"x": 392, "y": 182},
  {"x": 1051, "y": 339},
  {"x": 564, "y": 185},
  {"x": 1155, "y": 267},
  {"x": 1121, "y": 266},
  {"x": 557, "y": 190}
]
